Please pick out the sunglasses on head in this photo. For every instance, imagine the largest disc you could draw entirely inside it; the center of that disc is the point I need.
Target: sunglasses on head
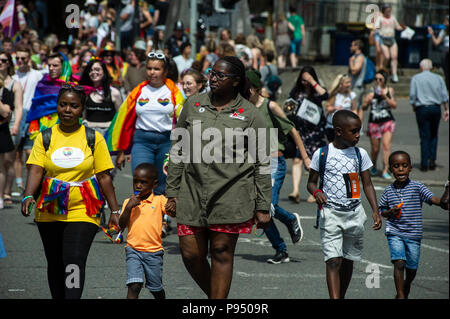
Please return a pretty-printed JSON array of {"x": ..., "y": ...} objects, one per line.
[
  {"x": 157, "y": 55},
  {"x": 67, "y": 86}
]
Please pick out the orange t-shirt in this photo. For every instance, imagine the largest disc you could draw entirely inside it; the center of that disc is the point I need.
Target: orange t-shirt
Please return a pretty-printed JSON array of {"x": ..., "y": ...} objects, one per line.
[{"x": 145, "y": 224}]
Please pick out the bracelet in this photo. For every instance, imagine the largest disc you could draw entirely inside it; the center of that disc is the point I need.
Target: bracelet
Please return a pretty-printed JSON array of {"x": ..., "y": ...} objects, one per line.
[
  {"x": 116, "y": 212},
  {"x": 26, "y": 197},
  {"x": 314, "y": 86},
  {"x": 317, "y": 191}
]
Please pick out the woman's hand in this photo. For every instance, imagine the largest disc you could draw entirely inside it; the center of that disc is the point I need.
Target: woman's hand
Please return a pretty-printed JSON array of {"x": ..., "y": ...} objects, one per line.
[
  {"x": 120, "y": 160},
  {"x": 171, "y": 207},
  {"x": 25, "y": 209},
  {"x": 262, "y": 219},
  {"x": 307, "y": 163}
]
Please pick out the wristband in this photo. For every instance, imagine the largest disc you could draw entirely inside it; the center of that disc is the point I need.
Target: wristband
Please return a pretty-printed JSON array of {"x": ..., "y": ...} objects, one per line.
[
  {"x": 314, "y": 86},
  {"x": 26, "y": 197},
  {"x": 116, "y": 212},
  {"x": 317, "y": 191}
]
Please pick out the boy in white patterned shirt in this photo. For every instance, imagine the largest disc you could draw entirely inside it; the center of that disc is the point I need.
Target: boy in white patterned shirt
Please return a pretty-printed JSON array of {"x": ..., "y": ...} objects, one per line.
[{"x": 340, "y": 166}]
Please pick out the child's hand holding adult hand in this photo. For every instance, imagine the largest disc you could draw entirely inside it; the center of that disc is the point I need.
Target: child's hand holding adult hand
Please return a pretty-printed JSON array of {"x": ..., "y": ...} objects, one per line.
[{"x": 171, "y": 207}]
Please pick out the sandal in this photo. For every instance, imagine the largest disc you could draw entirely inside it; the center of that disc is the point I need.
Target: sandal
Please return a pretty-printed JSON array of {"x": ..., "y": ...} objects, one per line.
[
  {"x": 294, "y": 198},
  {"x": 311, "y": 199},
  {"x": 7, "y": 199}
]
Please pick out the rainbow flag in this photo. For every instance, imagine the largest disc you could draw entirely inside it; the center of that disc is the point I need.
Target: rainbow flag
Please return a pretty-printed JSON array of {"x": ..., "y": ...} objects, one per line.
[
  {"x": 9, "y": 19},
  {"x": 54, "y": 197},
  {"x": 121, "y": 131},
  {"x": 42, "y": 113},
  {"x": 92, "y": 196}
]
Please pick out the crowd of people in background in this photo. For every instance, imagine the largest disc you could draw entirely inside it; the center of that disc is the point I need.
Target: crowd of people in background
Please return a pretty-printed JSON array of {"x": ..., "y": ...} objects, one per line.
[{"x": 131, "y": 83}]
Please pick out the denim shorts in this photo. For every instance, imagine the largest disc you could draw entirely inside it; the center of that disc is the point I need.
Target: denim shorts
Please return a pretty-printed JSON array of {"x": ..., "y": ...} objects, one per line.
[
  {"x": 403, "y": 248},
  {"x": 140, "y": 264}
]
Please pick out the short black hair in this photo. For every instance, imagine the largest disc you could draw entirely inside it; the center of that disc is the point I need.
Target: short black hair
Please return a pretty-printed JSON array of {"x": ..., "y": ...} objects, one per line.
[
  {"x": 393, "y": 154},
  {"x": 341, "y": 117},
  {"x": 76, "y": 90},
  {"x": 150, "y": 168}
]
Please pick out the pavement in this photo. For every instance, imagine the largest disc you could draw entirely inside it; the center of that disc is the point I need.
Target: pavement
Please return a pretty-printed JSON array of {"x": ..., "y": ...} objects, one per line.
[{"x": 23, "y": 271}]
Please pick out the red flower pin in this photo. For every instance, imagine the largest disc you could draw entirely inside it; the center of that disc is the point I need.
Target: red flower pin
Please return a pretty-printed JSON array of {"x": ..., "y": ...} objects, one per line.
[
  {"x": 240, "y": 110},
  {"x": 197, "y": 104}
]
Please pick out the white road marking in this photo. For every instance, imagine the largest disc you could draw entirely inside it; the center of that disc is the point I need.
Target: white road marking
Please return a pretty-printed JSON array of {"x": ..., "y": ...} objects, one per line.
[
  {"x": 435, "y": 248},
  {"x": 316, "y": 276}
]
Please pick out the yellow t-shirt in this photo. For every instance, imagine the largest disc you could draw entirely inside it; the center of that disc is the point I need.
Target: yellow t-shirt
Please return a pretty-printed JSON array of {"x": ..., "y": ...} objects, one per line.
[
  {"x": 145, "y": 224},
  {"x": 70, "y": 159}
]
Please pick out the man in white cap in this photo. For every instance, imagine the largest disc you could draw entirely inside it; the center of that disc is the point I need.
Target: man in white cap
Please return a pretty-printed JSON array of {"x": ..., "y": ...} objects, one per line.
[{"x": 89, "y": 21}]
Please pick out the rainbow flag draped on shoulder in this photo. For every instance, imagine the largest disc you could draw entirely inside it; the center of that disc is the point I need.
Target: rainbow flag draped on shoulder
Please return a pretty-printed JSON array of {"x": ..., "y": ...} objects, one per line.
[
  {"x": 121, "y": 131},
  {"x": 42, "y": 113}
]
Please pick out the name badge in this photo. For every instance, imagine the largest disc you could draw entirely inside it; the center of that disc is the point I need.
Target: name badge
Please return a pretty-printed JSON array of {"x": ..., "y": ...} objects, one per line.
[{"x": 237, "y": 116}]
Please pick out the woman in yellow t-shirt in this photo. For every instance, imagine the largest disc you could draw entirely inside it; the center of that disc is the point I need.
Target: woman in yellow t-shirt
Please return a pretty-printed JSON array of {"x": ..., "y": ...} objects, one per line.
[{"x": 75, "y": 178}]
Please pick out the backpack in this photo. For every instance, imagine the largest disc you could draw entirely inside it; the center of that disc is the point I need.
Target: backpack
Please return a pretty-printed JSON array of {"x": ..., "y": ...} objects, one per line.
[
  {"x": 323, "y": 154},
  {"x": 90, "y": 137},
  {"x": 46, "y": 138},
  {"x": 273, "y": 82},
  {"x": 369, "y": 76}
]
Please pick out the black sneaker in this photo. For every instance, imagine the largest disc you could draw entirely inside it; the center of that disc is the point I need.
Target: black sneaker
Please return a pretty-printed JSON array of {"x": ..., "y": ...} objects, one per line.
[
  {"x": 295, "y": 229},
  {"x": 280, "y": 257}
]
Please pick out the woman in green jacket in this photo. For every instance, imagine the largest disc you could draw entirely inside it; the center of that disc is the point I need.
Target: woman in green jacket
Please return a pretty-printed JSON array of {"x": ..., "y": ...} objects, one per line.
[{"x": 216, "y": 197}]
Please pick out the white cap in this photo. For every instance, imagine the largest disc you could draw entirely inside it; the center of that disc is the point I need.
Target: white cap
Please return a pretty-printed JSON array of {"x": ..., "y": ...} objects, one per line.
[
  {"x": 140, "y": 44},
  {"x": 125, "y": 2},
  {"x": 88, "y": 2}
]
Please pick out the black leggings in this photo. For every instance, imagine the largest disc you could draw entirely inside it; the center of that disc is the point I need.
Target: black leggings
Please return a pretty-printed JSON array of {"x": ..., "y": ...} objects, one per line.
[{"x": 66, "y": 246}]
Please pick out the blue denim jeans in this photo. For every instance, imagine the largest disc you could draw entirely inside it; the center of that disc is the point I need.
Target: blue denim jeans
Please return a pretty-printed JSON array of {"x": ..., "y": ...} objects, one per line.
[
  {"x": 428, "y": 118},
  {"x": 403, "y": 248},
  {"x": 281, "y": 214},
  {"x": 151, "y": 147}
]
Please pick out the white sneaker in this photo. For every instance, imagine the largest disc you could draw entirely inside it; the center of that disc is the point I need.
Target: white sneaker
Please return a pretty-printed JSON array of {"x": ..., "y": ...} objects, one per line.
[
  {"x": 394, "y": 78},
  {"x": 1, "y": 203}
]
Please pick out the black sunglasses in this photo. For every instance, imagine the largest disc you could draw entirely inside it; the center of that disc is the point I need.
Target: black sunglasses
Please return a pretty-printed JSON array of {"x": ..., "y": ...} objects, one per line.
[{"x": 4, "y": 60}]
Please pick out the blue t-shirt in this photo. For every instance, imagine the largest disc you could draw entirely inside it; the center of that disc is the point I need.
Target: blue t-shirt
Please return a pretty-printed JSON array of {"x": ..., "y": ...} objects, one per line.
[{"x": 413, "y": 194}]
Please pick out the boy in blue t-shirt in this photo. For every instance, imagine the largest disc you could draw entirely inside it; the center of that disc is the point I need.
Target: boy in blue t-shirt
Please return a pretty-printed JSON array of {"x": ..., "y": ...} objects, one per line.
[{"x": 401, "y": 204}]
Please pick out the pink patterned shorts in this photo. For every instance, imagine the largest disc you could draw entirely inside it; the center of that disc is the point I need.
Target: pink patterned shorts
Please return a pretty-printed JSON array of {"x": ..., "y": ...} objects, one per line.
[
  {"x": 241, "y": 228},
  {"x": 376, "y": 130}
]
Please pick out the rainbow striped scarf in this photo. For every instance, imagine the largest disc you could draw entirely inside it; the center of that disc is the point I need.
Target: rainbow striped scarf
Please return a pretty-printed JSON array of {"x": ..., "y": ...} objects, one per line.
[
  {"x": 121, "y": 131},
  {"x": 54, "y": 197}
]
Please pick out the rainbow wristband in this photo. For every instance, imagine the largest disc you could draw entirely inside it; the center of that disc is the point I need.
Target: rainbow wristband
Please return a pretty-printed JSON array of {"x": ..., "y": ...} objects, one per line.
[{"x": 26, "y": 197}]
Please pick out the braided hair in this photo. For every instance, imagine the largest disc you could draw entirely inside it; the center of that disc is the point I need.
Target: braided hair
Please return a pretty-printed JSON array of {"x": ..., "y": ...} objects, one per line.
[{"x": 237, "y": 67}]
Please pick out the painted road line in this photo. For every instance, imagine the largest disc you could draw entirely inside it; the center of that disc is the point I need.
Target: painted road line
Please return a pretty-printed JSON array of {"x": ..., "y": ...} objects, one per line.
[
  {"x": 318, "y": 276},
  {"x": 435, "y": 248}
]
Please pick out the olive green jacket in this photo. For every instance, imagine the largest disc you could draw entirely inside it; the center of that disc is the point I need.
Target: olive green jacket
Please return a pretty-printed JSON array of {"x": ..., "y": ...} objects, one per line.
[{"x": 213, "y": 184}]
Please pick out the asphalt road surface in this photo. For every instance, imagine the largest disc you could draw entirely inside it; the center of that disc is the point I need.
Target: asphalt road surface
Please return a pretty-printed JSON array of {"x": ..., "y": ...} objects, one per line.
[{"x": 23, "y": 271}]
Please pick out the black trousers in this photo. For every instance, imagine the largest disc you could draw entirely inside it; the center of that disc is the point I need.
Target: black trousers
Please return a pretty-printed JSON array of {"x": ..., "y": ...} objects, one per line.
[{"x": 66, "y": 246}]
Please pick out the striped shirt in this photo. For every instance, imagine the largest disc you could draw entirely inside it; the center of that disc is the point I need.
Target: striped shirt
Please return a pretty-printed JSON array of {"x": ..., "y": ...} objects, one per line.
[{"x": 413, "y": 194}]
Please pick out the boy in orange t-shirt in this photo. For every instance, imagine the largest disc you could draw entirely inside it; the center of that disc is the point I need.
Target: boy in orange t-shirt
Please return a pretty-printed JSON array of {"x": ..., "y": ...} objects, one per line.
[{"x": 142, "y": 213}]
